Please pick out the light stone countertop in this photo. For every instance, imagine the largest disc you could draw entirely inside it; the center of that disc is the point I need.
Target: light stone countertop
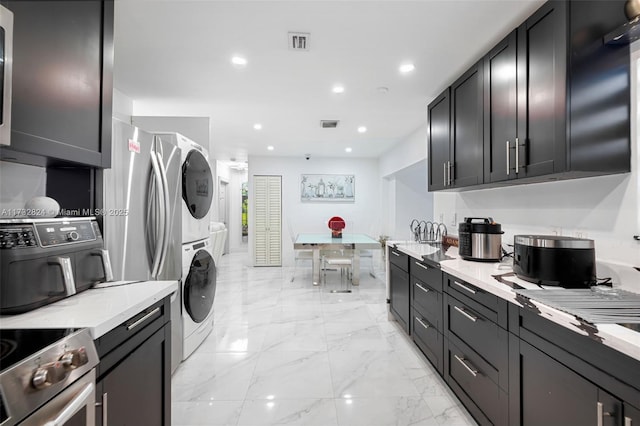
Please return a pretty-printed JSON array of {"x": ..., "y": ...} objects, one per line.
[
  {"x": 99, "y": 309},
  {"x": 483, "y": 275}
]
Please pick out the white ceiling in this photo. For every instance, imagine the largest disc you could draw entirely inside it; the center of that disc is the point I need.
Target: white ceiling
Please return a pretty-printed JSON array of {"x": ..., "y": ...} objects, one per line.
[{"x": 173, "y": 58}]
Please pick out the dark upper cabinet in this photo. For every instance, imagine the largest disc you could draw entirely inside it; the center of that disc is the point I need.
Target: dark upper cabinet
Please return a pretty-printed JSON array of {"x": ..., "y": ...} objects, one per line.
[
  {"x": 500, "y": 105},
  {"x": 556, "y": 102},
  {"x": 62, "y": 82},
  {"x": 439, "y": 131},
  {"x": 466, "y": 147}
]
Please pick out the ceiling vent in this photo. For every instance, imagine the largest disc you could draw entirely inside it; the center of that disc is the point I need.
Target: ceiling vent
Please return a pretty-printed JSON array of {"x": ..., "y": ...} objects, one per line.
[
  {"x": 299, "y": 41},
  {"x": 329, "y": 124}
]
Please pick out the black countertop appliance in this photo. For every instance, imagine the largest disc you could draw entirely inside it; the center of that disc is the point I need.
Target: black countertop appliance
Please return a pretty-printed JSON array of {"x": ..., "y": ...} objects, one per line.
[
  {"x": 555, "y": 260},
  {"x": 480, "y": 239}
]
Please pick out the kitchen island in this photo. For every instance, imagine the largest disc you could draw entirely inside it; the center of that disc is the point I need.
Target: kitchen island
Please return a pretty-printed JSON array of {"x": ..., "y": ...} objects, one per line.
[{"x": 504, "y": 354}]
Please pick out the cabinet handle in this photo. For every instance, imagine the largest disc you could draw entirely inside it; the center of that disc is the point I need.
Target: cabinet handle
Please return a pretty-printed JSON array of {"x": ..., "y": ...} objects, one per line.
[
  {"x": 423, "y": 288},
  {"x": 507, "y": 158},
  {"x": 469, "y": 289},
  {"x": 448, "y": 173},
  {"x": 444, "y": 174},
  {"x": 421, "y": 265},
  {"x": 627, "y": 421},
  {"x": 466, "y": 314},
  {"x": 517, "y": 157},
  {"x": 422, "y": 323},
  {"x": 143, "y": 319},
  {"x": 395, "y": 254},
  {"x": 105, "y": 417},
  {"x": 601, "y": 414},
  {"x": 470, "y": 369}
]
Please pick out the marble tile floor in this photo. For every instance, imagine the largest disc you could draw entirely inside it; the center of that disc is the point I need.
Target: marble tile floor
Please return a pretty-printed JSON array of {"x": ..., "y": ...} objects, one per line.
[{"x": 289, "y": 353}]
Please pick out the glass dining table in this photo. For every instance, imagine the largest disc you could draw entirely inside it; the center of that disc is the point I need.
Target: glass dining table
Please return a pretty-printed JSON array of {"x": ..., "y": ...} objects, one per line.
[{"x": 318, "y": 242}]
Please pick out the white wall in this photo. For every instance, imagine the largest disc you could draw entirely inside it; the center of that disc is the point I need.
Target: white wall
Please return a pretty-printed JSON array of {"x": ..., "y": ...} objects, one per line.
[
  {"x": 606, "y": 209},
  {"x": 194, "y": 128},
  {"x": 122, "y": 106},
  {"x": 18, "y": 184},
  {"x": 362, "y": 216},
  {"x": 409, "y": 151}
]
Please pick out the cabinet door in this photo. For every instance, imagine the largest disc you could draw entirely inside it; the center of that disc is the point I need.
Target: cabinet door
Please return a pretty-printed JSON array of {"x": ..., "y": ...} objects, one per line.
[
  {"x": 137, "y": 391},
  {"x": 466, "y": 147},
  {"x": 61, "y": 106},
  {"x": 500, "y": 119},
  {"x": 540, "y": 147},
  {"x": 438, "y": 133},
  {"x": 552, "y": 394},
  {"x": 399, "y": 286},
  {"x": 631, "y": 415}
]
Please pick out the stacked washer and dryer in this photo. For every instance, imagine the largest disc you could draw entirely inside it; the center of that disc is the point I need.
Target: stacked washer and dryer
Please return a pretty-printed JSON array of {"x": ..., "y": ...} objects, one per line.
[{"x": 198, "y": 266}]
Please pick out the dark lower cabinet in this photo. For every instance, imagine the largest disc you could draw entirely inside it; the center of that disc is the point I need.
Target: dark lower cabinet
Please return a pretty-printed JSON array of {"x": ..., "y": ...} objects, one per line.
[
  {"x": 134, "y": 375},
  {"x": 399, "y": 286}
]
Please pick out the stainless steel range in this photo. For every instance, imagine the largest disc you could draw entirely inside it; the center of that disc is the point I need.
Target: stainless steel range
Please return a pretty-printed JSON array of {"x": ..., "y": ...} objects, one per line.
[{"x": 47, "y": 377}]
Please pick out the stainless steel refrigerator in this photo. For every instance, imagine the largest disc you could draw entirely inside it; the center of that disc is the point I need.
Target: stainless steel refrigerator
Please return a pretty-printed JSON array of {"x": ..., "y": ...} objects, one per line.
[{"x": 142, "y": 221}]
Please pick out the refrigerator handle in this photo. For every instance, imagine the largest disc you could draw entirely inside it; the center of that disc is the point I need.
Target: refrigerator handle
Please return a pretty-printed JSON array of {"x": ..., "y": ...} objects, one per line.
[
  {"x": 167, "y": 213},
  {"x": 160, "y": 194}
]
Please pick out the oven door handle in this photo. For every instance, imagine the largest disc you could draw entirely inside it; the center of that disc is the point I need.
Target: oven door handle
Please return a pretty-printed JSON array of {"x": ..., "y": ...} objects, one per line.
[{"x": 76, "y": 404}]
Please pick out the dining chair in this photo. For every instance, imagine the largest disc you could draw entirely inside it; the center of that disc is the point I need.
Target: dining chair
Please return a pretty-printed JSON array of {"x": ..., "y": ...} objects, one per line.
[
  {"x": 343, "y": 260},
  {"x": 299, "y": 255}
]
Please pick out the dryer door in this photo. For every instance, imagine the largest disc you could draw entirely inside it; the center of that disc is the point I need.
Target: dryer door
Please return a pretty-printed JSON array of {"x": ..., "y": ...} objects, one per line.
[
  {"x": 197, "y": 184},
  {"x": 200, "y": 286}
]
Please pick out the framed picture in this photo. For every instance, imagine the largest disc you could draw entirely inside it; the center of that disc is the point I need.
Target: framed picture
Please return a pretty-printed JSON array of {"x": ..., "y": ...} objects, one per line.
[{"x": 334, "y": 188}]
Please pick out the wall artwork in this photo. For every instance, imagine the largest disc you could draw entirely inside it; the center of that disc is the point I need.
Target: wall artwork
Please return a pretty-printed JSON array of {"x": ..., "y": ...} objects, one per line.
[{"x": 333, "y": 188}]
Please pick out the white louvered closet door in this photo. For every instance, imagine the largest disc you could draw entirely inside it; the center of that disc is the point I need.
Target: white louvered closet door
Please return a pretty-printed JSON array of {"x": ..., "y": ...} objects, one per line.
[{"x": 267, "y": 204}]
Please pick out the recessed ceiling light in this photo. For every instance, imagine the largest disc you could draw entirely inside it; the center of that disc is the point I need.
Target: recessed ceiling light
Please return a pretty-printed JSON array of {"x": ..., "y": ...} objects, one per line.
[
  {"x": 407, "y": 68},
  {"x": 348, "y": 149},
  {"x": 270, "y": 148},
  {"x": 257, "y": 126},
  {"x": 338, "y": 89},
  {"x": 362, "y": 129},
  {"x": 239, "y": 61}
]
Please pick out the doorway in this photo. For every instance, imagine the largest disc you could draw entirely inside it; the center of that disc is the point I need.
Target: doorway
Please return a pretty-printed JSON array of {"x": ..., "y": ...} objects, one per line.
[{"x": 223, "y": 210}]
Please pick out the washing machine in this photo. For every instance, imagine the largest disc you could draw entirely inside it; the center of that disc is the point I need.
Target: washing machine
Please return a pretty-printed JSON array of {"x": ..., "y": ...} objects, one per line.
[
  {"x": 198, "y": 292},
  {"x": 197, "y": 187}
]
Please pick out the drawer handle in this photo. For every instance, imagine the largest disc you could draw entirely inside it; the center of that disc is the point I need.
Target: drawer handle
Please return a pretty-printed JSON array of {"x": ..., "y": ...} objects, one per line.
[
  {"x": 469, "y": 289},
  {"x": 470, "y": 369},
  {"x": 627, "y": 421},
  {"x": 421, "y": 265},
  {"x": 466, "y": 314},
  {"x": 143, "y": 319},
  {"x": 395, "y": 254},
  {"x": 422, "y": 323},
  {"x": 423, "y": 288}
]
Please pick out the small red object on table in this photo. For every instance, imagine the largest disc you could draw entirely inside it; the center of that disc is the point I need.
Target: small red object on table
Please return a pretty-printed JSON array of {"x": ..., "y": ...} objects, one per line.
[{"x": 336, "y": 224}]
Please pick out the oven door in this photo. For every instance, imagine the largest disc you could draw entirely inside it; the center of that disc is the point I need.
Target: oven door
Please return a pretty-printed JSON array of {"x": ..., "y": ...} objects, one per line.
[
  {"x": 6, "y": 62},
  {"x": 75, "y": 406}
]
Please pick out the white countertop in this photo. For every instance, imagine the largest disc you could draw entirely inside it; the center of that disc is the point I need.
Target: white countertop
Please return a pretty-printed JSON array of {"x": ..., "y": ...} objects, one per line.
[
  {"x": 482, "y": 275},
  {"x": 98, "y": 309}
]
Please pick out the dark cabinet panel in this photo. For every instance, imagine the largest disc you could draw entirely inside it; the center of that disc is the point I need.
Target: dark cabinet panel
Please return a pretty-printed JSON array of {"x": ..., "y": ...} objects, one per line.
[
  {"x": 62, "y": 90},
  {"x": 631, "y": 415},
  {"x": 501, "y": 114},
  {"x": 439, "y": 130},
  {"x": 466, "y": 147},
  {"x": 399, "y": 289},
  {"x": 540, "y": 147},
  {"x": 427, "y": 337}
]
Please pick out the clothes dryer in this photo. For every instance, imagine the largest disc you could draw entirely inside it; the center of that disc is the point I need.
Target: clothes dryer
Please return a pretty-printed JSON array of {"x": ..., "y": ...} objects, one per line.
[
  {"x": 198, "y": 292},
  {"x": 197, "y": 187}
]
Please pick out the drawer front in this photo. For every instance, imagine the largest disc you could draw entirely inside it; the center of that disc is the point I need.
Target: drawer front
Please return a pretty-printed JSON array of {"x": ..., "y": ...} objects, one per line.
[
  {"x": 467, "y": 373},
  {"x": 399, "y": 292},
  {"x": 479, "y": 295},
  {"x": 427, "y": 301},
  {"x": 428, "y": 339},
  {"x": 399, "y": 259},
  {"x": 481, "y": 334},
  {"x": 426, "y": 273}
]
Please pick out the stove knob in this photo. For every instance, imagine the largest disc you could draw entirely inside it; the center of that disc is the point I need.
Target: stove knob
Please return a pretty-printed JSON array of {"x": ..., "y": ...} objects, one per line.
[
  {"x": 48, "y": 375},
  {"x": 72, "y": 236},
  {"x": 74, "y": 358}
]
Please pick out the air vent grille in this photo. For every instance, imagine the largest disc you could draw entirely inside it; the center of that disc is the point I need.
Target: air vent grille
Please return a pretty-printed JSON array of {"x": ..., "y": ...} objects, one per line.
[
  {"x": 329, "y": 124},
  {"x": 299, "y": 41}
]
